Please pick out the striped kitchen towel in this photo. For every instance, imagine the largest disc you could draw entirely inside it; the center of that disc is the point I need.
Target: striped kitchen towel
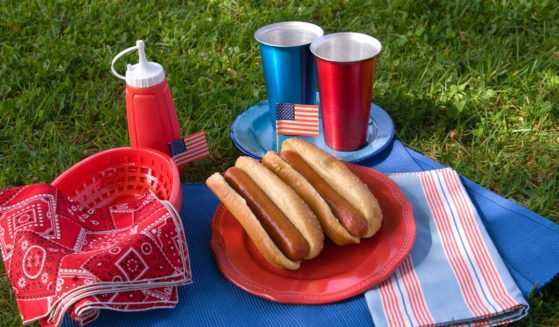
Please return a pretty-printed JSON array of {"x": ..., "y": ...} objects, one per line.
[{"x": 454, "y": 274}]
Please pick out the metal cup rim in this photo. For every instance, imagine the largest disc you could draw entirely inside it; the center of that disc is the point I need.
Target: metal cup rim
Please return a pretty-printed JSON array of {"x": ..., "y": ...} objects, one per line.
[
  {"x": 260, "y": 33},
  {"x": 359, "y": 37}
]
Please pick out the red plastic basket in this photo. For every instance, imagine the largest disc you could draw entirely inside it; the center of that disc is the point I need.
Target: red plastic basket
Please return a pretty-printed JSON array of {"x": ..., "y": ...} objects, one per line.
[{"x": 121, "y": 175}]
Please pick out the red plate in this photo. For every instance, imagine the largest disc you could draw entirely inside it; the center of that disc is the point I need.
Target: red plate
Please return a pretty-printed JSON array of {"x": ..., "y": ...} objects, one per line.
[{"x": 339, "y": 272}]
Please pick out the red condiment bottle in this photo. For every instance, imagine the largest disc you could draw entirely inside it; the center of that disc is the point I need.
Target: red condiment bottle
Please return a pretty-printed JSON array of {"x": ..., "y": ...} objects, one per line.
[{"x": 152, "y": 118}]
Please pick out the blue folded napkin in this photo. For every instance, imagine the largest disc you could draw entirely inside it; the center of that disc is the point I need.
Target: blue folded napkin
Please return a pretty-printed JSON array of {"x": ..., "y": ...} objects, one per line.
[
  {"x": 454, "y": 274},
  {"x": 214, "y": 301}
]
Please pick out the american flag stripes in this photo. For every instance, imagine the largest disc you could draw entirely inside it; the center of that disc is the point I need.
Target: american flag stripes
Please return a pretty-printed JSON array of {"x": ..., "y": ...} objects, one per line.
[
  {"x": 191, "y": 148},
  {"x": 296, "y": 119}
]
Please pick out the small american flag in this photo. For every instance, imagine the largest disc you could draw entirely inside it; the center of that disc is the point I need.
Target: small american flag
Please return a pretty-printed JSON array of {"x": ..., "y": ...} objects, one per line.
[
  {"x": 191, "y": 148},
  {"x": 297, "y": 119}
]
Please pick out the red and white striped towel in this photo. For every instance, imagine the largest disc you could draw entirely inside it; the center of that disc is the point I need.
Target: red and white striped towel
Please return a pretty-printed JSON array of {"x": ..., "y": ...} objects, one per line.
[{"x": 454, "y": 274}]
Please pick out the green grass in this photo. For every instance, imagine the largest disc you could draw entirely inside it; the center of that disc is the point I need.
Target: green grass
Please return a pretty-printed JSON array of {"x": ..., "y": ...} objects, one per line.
[{"x": 473, "y": 84}]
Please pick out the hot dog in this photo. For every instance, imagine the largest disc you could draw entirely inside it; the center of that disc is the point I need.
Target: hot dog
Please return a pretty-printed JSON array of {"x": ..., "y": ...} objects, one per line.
[
  {"x": 349, "y": 217},
  {"x": 290, "y": 241},
  {"x": 341, "y": 220},
  {"x": 287, "y": 200},
  {"x": 276, "y": 219}
]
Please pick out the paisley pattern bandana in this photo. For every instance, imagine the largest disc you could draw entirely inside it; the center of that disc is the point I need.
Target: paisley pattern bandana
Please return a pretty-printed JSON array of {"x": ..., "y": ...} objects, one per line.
[{"x": 61, "y": 257}]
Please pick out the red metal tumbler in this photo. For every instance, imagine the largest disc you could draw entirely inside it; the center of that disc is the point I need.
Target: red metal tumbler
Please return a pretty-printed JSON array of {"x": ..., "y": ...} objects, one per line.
[{"x": 346, "y": 70}]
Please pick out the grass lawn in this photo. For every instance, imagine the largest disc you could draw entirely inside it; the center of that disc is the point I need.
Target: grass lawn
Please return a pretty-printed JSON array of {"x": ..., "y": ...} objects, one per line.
[{"x": 473, "y": 84}]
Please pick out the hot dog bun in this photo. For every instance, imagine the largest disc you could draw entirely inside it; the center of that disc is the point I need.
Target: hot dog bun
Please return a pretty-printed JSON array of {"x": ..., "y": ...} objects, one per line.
[
  {"x": 240, "y": 210},
  {"x": 330, "y": 224},
  {"x": 288, "y": 201},
  {"x": 339, "y": 177}
]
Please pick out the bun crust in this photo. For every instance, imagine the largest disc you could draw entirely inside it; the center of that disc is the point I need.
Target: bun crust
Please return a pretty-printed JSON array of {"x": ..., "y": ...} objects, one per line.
[
  {"x": 330, "y": 224},
  {"x": 338, "y": 176},
  {"x": 289, "y": 202},
  {"x": 238, "y": 207}
]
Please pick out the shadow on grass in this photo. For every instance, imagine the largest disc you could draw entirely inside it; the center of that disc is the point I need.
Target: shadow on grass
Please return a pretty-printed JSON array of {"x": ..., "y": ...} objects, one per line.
[{"x": 420, "y": 118}]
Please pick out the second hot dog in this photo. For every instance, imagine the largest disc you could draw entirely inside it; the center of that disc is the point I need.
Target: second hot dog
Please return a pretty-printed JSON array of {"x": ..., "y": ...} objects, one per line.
[{"x": 346, "y": 208}]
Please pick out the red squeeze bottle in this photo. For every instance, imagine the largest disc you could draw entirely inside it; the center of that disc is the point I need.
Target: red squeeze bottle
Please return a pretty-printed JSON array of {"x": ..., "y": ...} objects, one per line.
[{"x": 150, "y": 109}]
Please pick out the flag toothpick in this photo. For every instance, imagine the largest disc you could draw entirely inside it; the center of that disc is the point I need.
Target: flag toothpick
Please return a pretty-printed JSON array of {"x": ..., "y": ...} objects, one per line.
[
  {"x": 190, "y": 148},
  {"x": 296, "y": 119}
]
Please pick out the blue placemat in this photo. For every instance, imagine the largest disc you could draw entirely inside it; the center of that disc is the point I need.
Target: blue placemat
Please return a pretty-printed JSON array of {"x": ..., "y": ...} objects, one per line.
[{"x": 528, "y": 243}]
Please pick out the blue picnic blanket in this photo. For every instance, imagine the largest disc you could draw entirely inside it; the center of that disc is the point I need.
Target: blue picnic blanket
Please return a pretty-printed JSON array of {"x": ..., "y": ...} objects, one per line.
[{"x": 527, "y": 242}]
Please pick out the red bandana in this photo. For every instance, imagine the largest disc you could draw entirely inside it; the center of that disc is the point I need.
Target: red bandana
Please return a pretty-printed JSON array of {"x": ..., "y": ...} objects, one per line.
[{"x": 62, "y": 257}]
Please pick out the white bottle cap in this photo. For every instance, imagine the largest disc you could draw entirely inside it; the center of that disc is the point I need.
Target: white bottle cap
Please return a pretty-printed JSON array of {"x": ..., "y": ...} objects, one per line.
[{"x": 144, "y": 73}]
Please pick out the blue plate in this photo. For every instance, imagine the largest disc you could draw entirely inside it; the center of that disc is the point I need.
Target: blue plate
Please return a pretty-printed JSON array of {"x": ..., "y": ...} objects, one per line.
[{"x": 253, "y": 134}]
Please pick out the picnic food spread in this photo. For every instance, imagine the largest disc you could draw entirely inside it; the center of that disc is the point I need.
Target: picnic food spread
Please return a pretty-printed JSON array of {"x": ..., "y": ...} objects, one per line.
[{"x": 101, "y": 222}]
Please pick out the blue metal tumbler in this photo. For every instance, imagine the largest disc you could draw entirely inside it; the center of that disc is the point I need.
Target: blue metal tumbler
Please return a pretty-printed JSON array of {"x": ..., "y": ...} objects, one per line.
[{"x": 289, "y": 66}]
